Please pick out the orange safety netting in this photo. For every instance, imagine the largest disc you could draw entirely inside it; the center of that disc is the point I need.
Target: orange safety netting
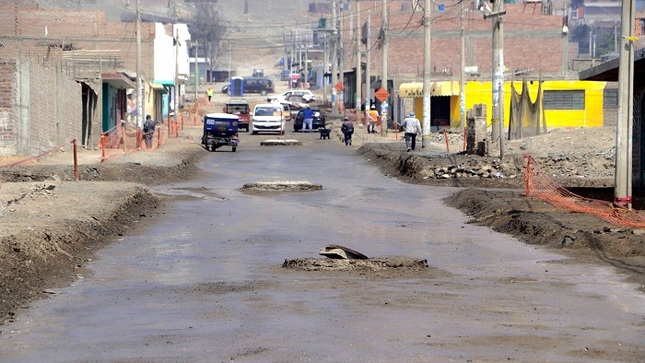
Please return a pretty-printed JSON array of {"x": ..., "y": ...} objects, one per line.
[
  {"x": 120, "y": 140},
  {"x": 71, "y": 143},
  {"x": 194, "y": 114},
  {"x": 537, "y": 183}
]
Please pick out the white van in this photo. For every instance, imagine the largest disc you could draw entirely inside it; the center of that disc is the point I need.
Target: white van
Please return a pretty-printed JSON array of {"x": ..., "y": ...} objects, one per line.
[{"x": 268, "y": 117}]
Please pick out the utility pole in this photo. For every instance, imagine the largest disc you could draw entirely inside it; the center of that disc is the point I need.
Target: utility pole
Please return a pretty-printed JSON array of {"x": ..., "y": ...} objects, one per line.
[
  {"x": 359, "y": 70},
  {"x": 138, "y": 70},
  {"x": 341, "y": 58},
  {"x": 325, "y": 68},
  {"x": 285, "y": 58},
  {"x": 497, "y": 121},
  {"x": 334, "y": 57},
  {"x": 462, "y": 86},
  {"x": 623, "y": 174},
  {"x": 384, "y": 68},
  {"x": 565, "y": 40},
  {"x": 196, "y": 68},
  {"x": 176, "y": 76},
  {"x": 229, "y": 61},
  {"x": 427, "y": 47},
  {"x": 293, "y": 57},
  {"x": 368, "y": 63},
  {"x": 306, "y": 72}
]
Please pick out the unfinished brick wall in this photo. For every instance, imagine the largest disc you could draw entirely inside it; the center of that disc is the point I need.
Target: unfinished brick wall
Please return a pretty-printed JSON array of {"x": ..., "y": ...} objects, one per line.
[
  {"x": 40, "y": 107},
  {"x": 81, "y": 30},
  {"x": 7, "y": 111},
  {"x": 55, "y": 108},
  {"x": 531, "y": 40}
]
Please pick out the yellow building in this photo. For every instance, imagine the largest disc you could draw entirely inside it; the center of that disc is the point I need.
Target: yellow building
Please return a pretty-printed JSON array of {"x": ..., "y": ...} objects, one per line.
[{"x": 564, "y": 103}]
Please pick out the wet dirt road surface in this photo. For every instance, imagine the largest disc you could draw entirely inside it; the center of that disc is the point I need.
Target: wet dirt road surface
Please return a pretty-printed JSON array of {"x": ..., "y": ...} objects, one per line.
[{"x": 205, "y": 282}]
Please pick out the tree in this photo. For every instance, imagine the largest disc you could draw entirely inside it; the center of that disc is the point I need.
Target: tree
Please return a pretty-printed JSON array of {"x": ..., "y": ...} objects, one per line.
[
  {"x": 580, "y": 33},
  {"x": 208, "y": 28}
]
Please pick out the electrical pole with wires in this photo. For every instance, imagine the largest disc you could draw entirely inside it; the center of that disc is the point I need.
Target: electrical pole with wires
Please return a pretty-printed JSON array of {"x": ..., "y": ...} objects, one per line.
[
  {"x": 139, "y": 105},
  {"x": 427, "y": 47},
  {"x": 341, "y": 60},
  {"x": 497, "y": 121},
  {"x": 384, "y": 65},
  {"x": 176, "y": 88},
  {"x": 334, "y": 57},
  {"x": 462, "y": 75},
  {"x": 624, "y": 127},
  {"x": 359, "y": 67},
  {"x": 368, "y": 63}
]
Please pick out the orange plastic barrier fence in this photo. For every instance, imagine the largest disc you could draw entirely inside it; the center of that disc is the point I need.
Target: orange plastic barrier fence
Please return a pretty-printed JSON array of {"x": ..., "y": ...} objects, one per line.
[
  {"x": 43, "y": 154},
  {"x": 120, "y": 141},
  {"x": 537, "y": 183}
]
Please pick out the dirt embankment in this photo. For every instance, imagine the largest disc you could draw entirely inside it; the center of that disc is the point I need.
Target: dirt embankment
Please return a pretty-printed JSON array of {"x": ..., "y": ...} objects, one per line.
[
  {"x": 52, "y": 225},
  {"x": 499, "y": 203}
]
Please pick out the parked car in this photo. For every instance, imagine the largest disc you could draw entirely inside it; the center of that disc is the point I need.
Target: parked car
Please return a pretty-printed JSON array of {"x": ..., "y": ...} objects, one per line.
[
  {"x": 296, "y": 102},
  {"x": 306, "y": 95},
  {"x": 261, "y": 85},
  {"x": 318, "y": 121}
]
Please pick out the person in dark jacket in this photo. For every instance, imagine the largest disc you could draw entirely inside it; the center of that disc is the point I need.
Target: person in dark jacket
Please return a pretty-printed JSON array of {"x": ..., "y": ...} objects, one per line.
[
  {"x": 348, "y": 129},
  {"x": 148, "y": 131}
]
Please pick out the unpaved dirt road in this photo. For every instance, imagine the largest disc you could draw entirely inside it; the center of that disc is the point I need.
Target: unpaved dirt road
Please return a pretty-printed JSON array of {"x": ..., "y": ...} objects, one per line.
[{"x": 204, "y": 282}]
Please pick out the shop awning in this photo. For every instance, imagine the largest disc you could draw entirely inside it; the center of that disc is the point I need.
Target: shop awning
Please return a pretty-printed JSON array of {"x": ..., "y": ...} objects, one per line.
[
  {"x": 118, "y": 80},
  {"x": 166, "y": 83},
  {"x": 411, "y": 90},
  {"x": 159, "y": 88},
  {"x": 439, "y": 88}
]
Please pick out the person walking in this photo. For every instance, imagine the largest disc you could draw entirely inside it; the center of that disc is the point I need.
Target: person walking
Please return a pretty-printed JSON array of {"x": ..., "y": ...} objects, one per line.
[
  {"x": 308, "y": 119},
  {"x": 209, "y": 93},
  {"x": 348, "y": 129},
  {"x": 372, "y": 120},
  {"x": 412, "y": 127},
  {"x": 149, "y": 131}
]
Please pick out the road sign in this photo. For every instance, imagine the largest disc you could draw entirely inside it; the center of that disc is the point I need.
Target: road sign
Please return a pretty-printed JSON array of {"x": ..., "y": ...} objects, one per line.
[{"x": 382, "y": 94}]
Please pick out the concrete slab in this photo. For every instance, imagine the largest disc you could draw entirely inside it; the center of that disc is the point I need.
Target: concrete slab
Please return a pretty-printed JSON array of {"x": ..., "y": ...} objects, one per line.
[{"x": 278, "y": 142}]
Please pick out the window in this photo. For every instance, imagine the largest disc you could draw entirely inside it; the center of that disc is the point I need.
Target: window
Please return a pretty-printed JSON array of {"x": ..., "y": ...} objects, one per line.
[
  {"x": 641, "y": 31},
  {"x": 564, "y": 100},
  {"x": 610, "y": 99}
]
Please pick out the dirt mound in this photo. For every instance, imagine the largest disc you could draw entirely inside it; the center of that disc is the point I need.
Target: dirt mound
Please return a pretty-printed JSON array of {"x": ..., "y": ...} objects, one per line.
[
  {"x": 380, "y": 268},
  {"x": 326, "y": 264},
  {"x": 48, "y": 249},
  {"x": 42, "y": 246},
  {"x": 280, "y": 186},
  {"x": 499, "y": 203}
]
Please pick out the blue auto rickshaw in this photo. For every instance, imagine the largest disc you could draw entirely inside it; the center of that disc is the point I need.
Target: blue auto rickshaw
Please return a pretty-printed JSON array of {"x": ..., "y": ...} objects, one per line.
[{"x": 220, "y": 129}]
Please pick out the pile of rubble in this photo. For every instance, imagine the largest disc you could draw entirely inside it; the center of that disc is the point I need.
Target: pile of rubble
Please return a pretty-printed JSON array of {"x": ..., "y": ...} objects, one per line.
[{"x": 472, "y": 169}]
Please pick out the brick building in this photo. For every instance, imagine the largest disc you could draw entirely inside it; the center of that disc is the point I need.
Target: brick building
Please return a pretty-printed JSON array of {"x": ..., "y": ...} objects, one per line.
[
  {"x": 96, "y": 57},
  {"x": 535, "y": 45}
]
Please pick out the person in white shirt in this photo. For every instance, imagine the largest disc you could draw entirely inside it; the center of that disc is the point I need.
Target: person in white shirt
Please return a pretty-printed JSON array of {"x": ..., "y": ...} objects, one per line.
[{"x": 412, "y": 127}]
